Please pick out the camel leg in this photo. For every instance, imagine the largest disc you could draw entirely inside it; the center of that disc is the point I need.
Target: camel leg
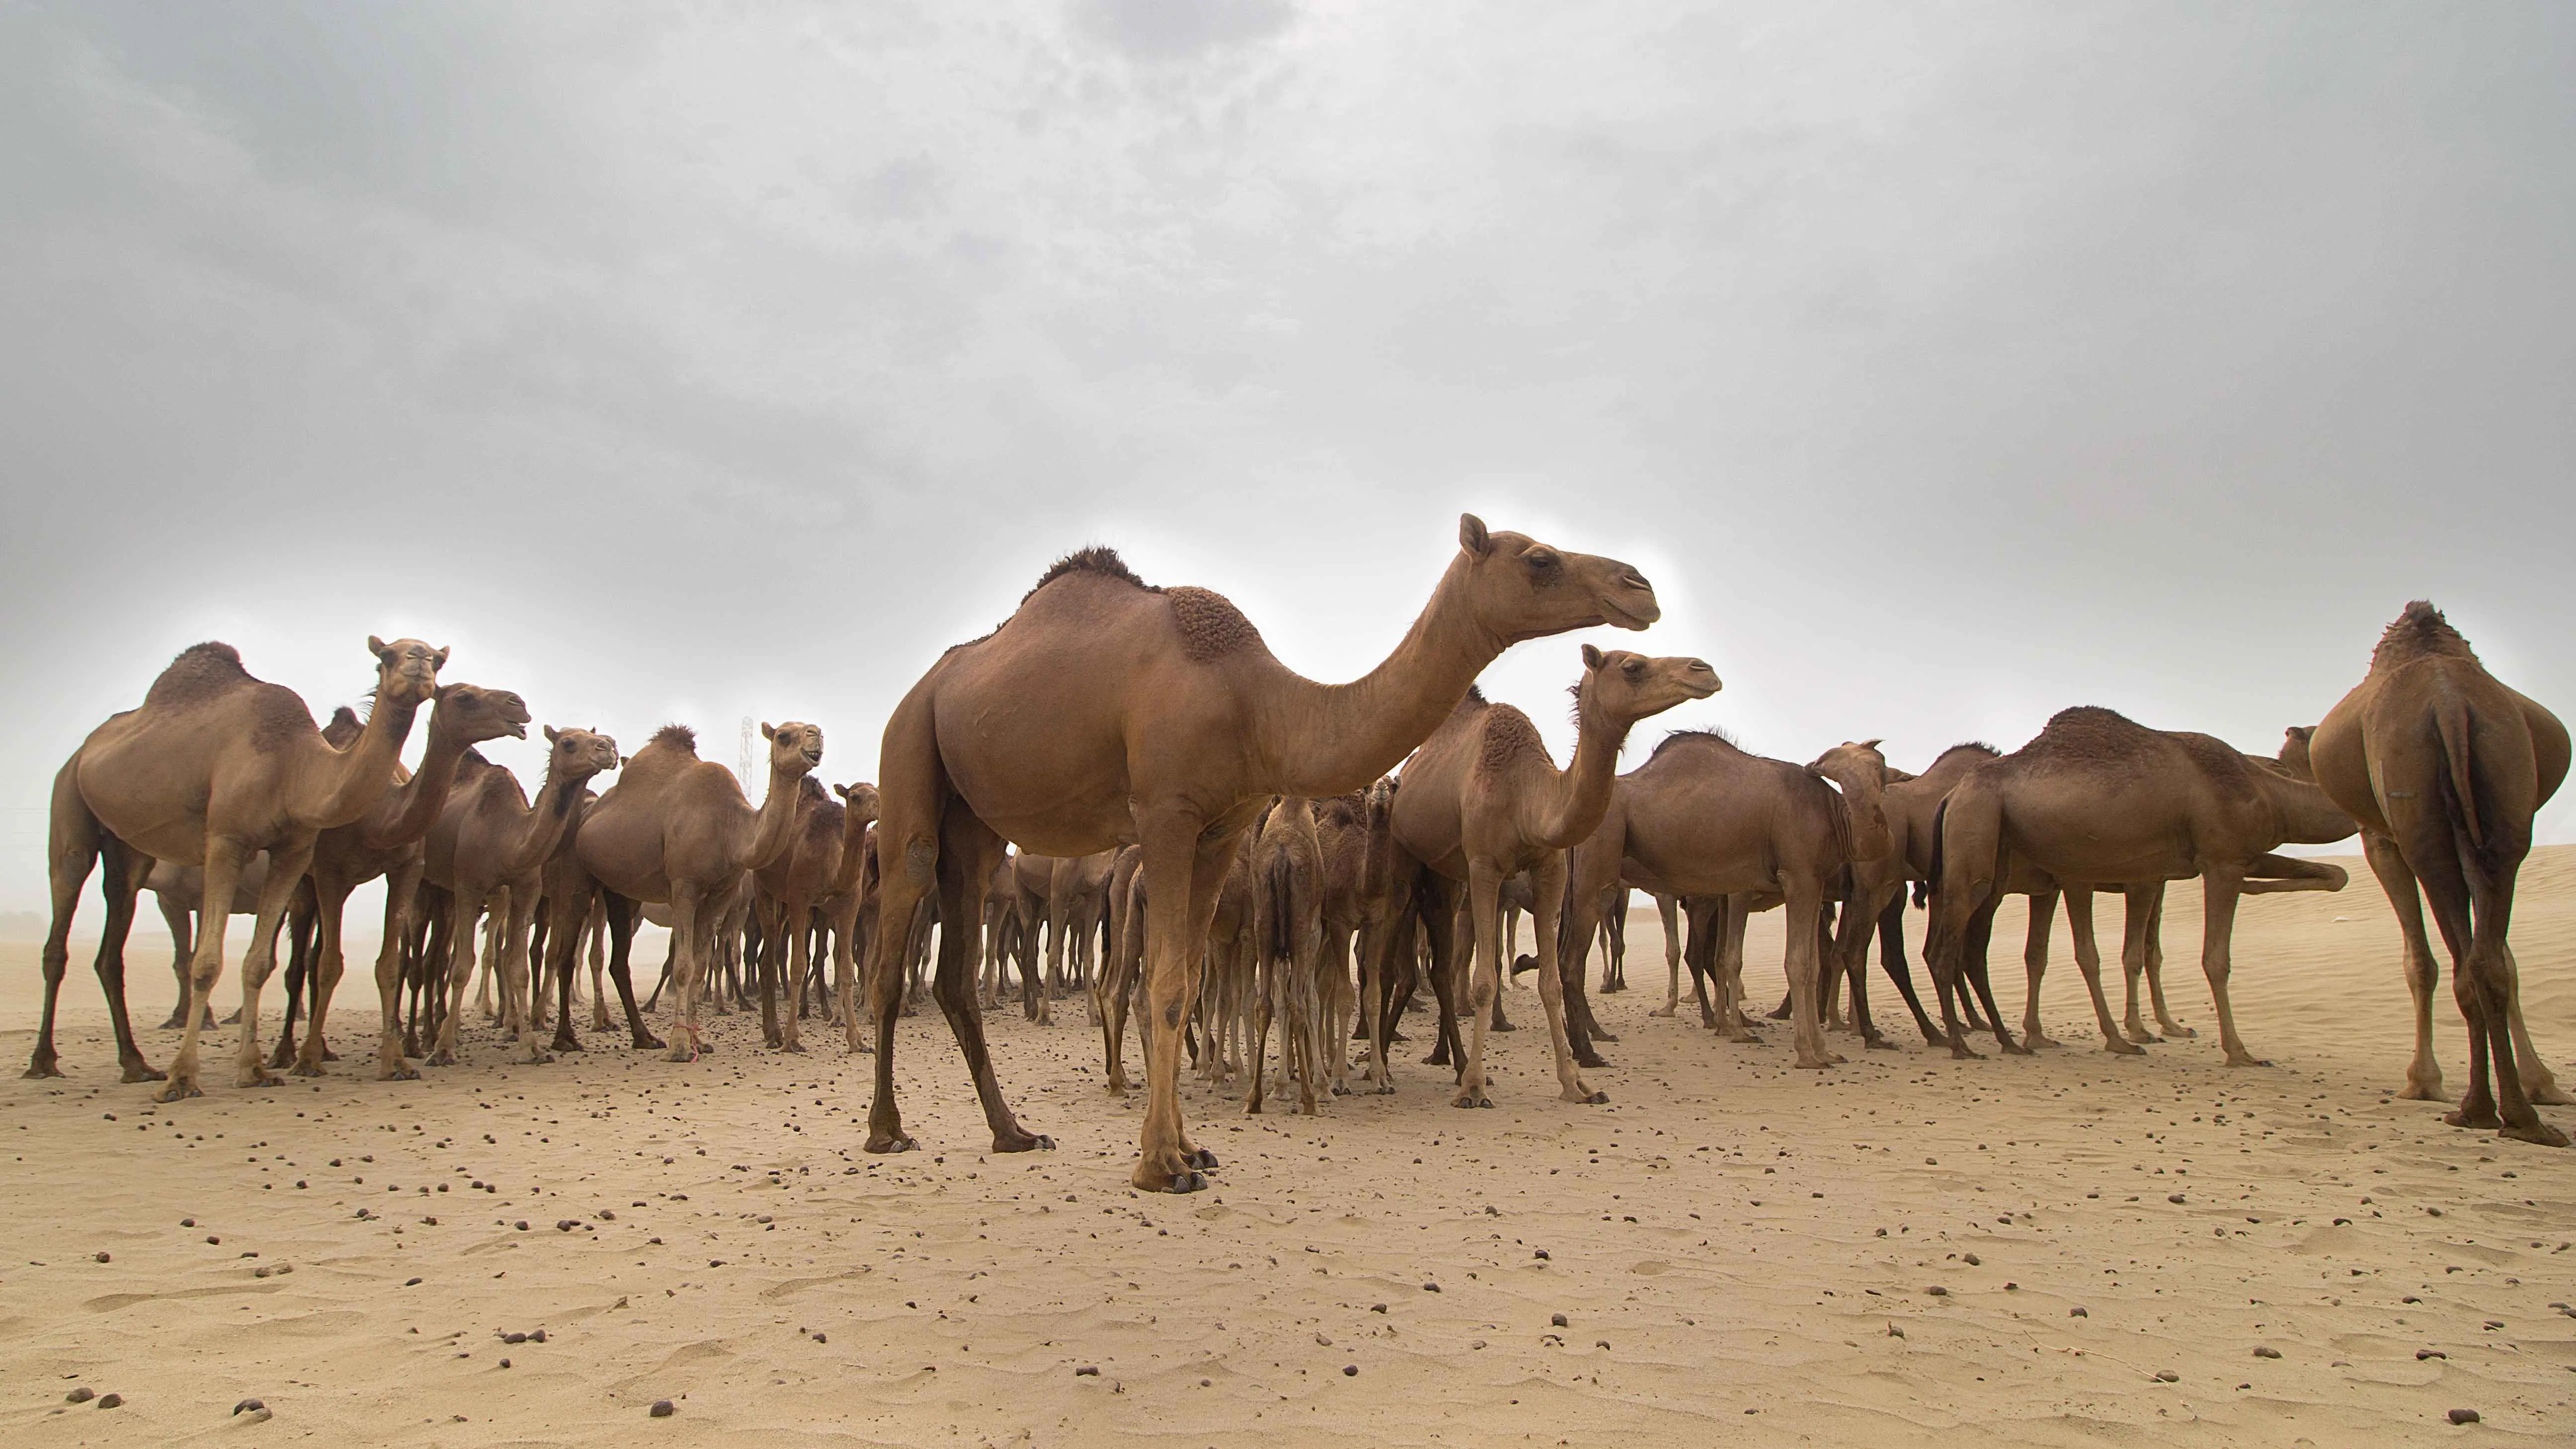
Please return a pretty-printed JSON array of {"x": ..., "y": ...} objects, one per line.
[
  {"x": 1268, "y": 973},
  {"x": 464, "y": 940},
  {"x": 1669, "y": 909},
  {"x": 1984, "y": 984},
  {"x": 1184, "y": 860},
  {"x": 1117, "y": 982},
  {"x": 1378, "y": 972},
  {"x": 570, "y": 912},
  {"x": 285, "y": 877},
  {"x": 2088, "y": 959},
  {"x": 517, "y": 969},
  {"x": 2424, "y": 1072},
  {"x": 2152, "y": 906},
  {"x": 1803, "y": 911},
  {"x": 1548, "y": 878},
  {"x": 311, "y": 938},
  {"x": 771, "y": 919},
  {"x": 693, "y": 921},
  {"x": 1578, "y": 919},
  {"x": 1707, "y": 915},
  {"x": 799, "y": 952},
  {"x": 2218, "y": 929},
  {"x": 1728, "y": 982},
  {"x": 1439, "y": 920},
  {"x": 2133, "y": 967},
  {"x": 623, "y": 918},
  {"x": 224, "y": 862},
  {"x": 181, "y": 921},
  {"x": 2538, "y": 1082},
  {"x": 1614, "y": 943},
  {"x": 1484, "y": 982},
  {"x": 1507, "y": 938},
  {"x": 1853, "y": 929},
  {"x": 596, "y": 930},
  {"x": 2034, "y": 962},
  {"x": 1891, "y": 959},
  {"x": 72, "y": 850}
]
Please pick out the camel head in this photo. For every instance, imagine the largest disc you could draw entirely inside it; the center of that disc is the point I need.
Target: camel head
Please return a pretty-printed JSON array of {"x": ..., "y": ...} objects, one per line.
[
  {"x": 1629, "y": 687},
  {"x": 2294, "y": 751},
  {"x": 469, "y": 714},
  {"x": 860, "y": 798},
  {"x": 1520, "y": 588},
  {"x": 406, "y": 670},
  {"x": 579, "y": 754},
  {"x": 1860, "y": 772},
  {"x": 794, "y": 749}
]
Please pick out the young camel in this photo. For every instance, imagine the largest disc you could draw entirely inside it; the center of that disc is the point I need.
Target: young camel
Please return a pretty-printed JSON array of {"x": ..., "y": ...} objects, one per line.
[
  {"x": 1286, "y": 863},
  {"x": 1104, "y": 711},
  {"x": 489, "y": 852},
  {"x": 677, "y": 829},
  {"x": 1482, "y": 801},
  {"x": 1703, "y": 818},
  {"x": 2444, "y": 767},
  {"x": 2098, "y": 799},
  {"x": 215, "y": 766}
]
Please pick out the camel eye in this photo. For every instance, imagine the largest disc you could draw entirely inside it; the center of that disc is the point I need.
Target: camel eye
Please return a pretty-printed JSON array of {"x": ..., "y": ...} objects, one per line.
[
  {"x": 1541, "y": 560},
  {"x": 1635, "y": 670}
]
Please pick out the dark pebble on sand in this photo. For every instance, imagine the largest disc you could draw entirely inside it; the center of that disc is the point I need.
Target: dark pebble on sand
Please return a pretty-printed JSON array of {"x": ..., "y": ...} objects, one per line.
[
  {"x": 1350, "y": 1371},
  {"x": 514, "y": 1338},
  {"x": 1556, "y": 1320},
  {"x": 2261, "y": 1351},
  {"x": 248, "y": 1406},
  {"x": 2464, "y": 1416},
  {"x": 81, "y": 1395},
  {"x": 565, "y": 1225},
  {"x": 1087, "y": 1371},
  {"x": 1430, "y": 1287},
  {"x": 2077, "y": 1313},
  {"x": 2422, "y": 1354},
  {"x": 411, "y": 1282},
  {"x": 2176, "y": 1197},
  {"x": 2167, "y": 1376},
  {"x": 111, "y": 1401},
  {"x": 662, "y": 1409},
  {"x": 102, "y": 1257}
]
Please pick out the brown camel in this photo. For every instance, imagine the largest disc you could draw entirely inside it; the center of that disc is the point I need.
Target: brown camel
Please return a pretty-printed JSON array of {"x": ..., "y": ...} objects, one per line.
[
  {"x": 489, "y": 851},
  {"x": 1482, "y": 801},
  {"x": 788, "y": 890},
  {"x": 215, "y": 766},
  {"x": 386, "y": 842},
  {"x": 1702, "y": 817},
  {"x": 2098, "y": 799},
  {"x": 179, "y": 890},
  {"x": 676, "y": 829},
  {"x": 1344, "y": 828},
  {"x": 853, "y": 884},
  {"x": 2444, "y": 767},
  {"x": 1077, "y": 908},
  {"x": 1878, "y": 884},
  {"x": 1286, "y": 863},
  {"x": 1104, "y": 711}
]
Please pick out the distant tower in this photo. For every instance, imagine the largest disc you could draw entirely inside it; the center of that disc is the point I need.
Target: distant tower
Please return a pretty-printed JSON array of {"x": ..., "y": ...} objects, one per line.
[{"x": 743, "y": 772}]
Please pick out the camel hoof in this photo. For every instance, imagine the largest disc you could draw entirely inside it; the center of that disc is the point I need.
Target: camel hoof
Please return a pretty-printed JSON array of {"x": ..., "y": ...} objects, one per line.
[
  {"x": 1342, "y": 1089},
  {"x": 178, "y": 1092},
  {"x": 397, "y": 1074},
  {"x": 1661, "y": 1011},
  {"x": 2549, "y": 1096},
  {"x": 679, "y": 1054},
  {"x": 1599, "y": 1035},
  {"x": 2034, "y": 1039},
  {"x": 303, "y": 1068},
  {"x": 536, "y": 1059},
  {"x": 1187, "y": 1182},
  {"x": 178, "y": 1021},
  {"x": 794, "y": 1046},
  {"x": 1583, "y": 1099},
  {"x": 1201, "y": 1158},
  {"x": 1503, "y": 1026},
  {"x": 2412, "y": 1092},
  {"x": 2483, "y": 1118},
  {"x": 1964, "y": 1054},
  {"x": 895, "y": 1143},
  {"x": 1590, "y": 1060},
  {"x": 2119, "y": 1048},
  {"x": 2249, "y": 1061},
  {"x": 645, "y": 1043},
  {"x": 1024, "y": 1142},
  {"x": 1383, "y": 1089},
  {"x": 2015, "y": 1049},
  {"x": 1879, "y": 1044},
  {"x": 2539, "y": 1134},
  {"x": 44, "y": 1067},
  {"x": 1471, "y": 1099},
  {"x": 442, "y": 1058},
  {"x": 2186, "y": 1033},
  {"x": 565, "y": 1044}
]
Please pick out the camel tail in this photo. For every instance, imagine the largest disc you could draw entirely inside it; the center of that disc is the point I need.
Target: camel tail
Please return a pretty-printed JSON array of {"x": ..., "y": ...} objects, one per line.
[
  {"x": 1932, "y": 878},
  {"x": 2451, "y": 719},
  {"x": 1276, "y": 883}
]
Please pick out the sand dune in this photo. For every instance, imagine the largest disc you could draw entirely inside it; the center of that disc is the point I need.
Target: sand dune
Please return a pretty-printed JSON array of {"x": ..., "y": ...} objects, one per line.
[{"x": 1885, "y": 1253}]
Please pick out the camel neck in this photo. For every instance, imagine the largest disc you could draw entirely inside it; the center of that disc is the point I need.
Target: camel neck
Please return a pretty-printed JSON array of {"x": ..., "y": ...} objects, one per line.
[
  {"x": 2306, "y": 815},
  {"x": 775, "y": 825},
  {"x": 353, "y": 780},
  {"x": 410, "y": 808},
  {"x": 1330, "y": 739},
  {"x": 546, "y": 822},
  {"x": 1582, "y": 790}
]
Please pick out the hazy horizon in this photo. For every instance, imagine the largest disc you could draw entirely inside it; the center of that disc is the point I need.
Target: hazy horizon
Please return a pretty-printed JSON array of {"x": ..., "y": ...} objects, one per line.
[{"x": 1941, "y": 369}]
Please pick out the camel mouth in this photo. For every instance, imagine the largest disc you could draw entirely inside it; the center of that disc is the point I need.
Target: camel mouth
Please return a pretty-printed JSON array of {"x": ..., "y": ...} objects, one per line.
[
  {"x": 516, "y": 730},
  {"x": 1622, "y": 617}
]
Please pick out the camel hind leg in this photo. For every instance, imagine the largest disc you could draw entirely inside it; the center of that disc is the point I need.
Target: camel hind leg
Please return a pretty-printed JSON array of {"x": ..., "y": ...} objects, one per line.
[
  {"x": 2405, "y": 900},
  {"x": 2034, "y": 964},
  {"x": 2088, "y": 959}
]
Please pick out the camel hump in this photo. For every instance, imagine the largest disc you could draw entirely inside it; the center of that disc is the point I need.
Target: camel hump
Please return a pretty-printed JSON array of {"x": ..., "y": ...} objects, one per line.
[
  {"x": 2419, "y": 632},
  {"x": 1095, "y": 559},
  {"x": 200, "y": 672},
  {"x": 675, "y": 737},
  {"x": 1508, "y": 735},
  {"x": 1686, "y": 738},
  {"x": 1211, "y": 626}
]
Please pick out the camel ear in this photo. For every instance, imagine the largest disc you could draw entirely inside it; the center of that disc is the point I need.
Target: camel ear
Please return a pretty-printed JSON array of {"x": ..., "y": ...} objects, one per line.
[
  {"x": 1591, "y": 657},
  {"x": 552, "y": 735},
  {"x": 439, "y": 660},
  {"x": 1870, "y": 744},
  {"x": 442, "y": 692},
  {"x": 1472, "y": 536},
  {"x": 766, "y": 732},
  {"x": 841, "y": 790},
  {"x": 377, "y": 647}
]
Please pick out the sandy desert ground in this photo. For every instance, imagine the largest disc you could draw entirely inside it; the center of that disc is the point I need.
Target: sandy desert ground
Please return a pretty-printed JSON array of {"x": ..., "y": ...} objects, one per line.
[{"x": 2058, "y": 1250}]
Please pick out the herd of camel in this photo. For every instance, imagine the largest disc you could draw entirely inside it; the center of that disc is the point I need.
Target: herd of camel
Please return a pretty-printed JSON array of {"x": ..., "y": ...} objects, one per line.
[{"x": 1250, "y": 857}]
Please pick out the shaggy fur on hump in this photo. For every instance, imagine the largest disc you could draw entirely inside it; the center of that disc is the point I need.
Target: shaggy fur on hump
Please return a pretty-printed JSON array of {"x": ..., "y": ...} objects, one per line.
[
  {"x": 1211, "y": 626},
  {"x": 1094, "y": 559},
  {"x": 1508, "y": 735},
  {"x": 1979, "y": 747},
  {"x": 677, "y": 736},
  {"x": 2419, "y": 631},
  {"x": 1668, "y": 741},
  {"x": 198, "y": 671}
]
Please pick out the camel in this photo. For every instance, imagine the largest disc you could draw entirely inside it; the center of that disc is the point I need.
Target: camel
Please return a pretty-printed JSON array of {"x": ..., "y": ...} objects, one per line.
[
  {"x": 678, "y": 830},
  {"x": 1878, "y": 886},
  {"x": 788, "y": 890},
  {"x": 489, "y": 851},
  {"x": 1701, "y": 817},
  {"x": 2444, "y": 766},
  {"x": 1483, "y": 801},
  {"x": 2098, "y": 799},
  {"x": 1032, "y": 886},
  {"x": 213, "y": 767},
  {"x": 1347, "y": 828},
  {"x": 1286, "y": 863},
  {"x": 1077, "y": 907},
  {"x": 1104, "y": 711},
  {"x": 844, "y": 903},
  {"x": 386, "y": 842}
]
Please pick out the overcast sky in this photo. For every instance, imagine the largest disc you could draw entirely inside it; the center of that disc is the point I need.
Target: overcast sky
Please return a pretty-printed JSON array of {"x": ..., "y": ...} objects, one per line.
[{"x": 1942, "y": 367}]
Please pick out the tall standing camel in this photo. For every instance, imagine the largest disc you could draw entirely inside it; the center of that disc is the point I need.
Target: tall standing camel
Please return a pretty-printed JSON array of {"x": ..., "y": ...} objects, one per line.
[
  {"x": 676, "y": 829},
  {"x": 489, "y": 851},
  {"x": 789, "y": 888},
  {"x": 2098, "y": 799},
  {"x": 1482, "y": 801},
  {"x": 2444, "y": 767},
  {"x": 1105, "y": 711},
  {"x": 1703, "y": 818},
  {"x": 215, "y": 766},
  {"x": 386, "y": 842}
]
